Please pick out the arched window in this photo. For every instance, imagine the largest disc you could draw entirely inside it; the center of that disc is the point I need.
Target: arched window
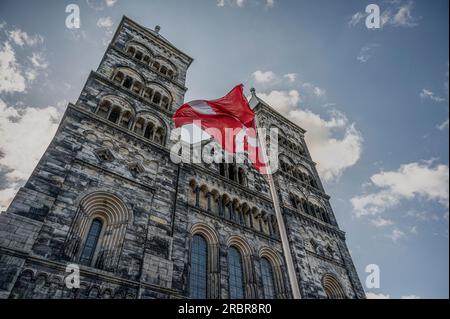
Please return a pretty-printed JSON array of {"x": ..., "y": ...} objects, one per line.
[
  {"x": 139, "y": 126},
  {"x": 114, "y": 115},
  {"x": 159, "y": 135},
  {"x": 104, "y": 109},
  {"x": 332, "y": 287},
  {"x": 91, "y": 242},
  {"x": 199, "y": 268},
  {"x": 165, "y": 102},
  {"x": 126, "y": 119},
  {"x": 156, "y": 98},
  {"x": 138, "y": 55},
  {"x": 156, "y": 65},
  {"x": 128, "y": 82},
  {"x": 131, "y": 50},
  {"x": 236, "y": 276},
  {"x": 163, "y": 70},
  {"x": 267, "y": 279},
  {"x": 149, "y": 131}
]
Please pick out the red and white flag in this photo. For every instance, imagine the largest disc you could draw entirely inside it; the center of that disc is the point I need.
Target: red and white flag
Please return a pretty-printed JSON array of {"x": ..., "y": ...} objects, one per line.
[{"x": 224, "y": 119}]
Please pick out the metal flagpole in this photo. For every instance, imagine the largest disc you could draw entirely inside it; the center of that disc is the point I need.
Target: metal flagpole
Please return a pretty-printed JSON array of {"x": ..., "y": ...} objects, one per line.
[{"x": 281, "y": 226}]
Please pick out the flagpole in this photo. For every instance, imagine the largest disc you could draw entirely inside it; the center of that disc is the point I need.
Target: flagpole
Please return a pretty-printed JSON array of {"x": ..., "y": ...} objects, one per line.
[{"x": 281, "y": 225}]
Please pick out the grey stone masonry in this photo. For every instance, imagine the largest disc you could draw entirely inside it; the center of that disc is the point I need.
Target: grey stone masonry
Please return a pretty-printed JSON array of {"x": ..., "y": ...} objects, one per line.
[{"x": 109, "y": 163}]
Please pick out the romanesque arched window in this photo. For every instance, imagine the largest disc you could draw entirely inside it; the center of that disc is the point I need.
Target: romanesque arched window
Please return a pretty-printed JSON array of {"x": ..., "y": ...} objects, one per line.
[
  {"x": 126, "y": 119},
  {"x": 91, "y": 242},
  {"x": 150, "y": 128},
  {"x": 199, "y": 268},
  {"x": 139, "y": 52},
  {"x": 236, "y": 274},
  {"x": 103, "y": 109},
  {"x": 114, "y": 115},
  {"x": 98, "y": 231},
  {"x": 332, "y": 287},
  {"x": 204, "y": 270},
  {"x": 115, "y": 109},
  {"x": 129, "y": 79},
  {"x": 267, "y": 279}
]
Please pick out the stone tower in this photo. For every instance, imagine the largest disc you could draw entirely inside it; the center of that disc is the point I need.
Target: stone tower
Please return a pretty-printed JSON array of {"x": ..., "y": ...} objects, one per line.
[{"x": 106, "y": 197}]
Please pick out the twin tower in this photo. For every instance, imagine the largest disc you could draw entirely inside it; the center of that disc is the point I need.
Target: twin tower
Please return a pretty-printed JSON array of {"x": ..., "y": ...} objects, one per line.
[{"x": 105, "y": 196}]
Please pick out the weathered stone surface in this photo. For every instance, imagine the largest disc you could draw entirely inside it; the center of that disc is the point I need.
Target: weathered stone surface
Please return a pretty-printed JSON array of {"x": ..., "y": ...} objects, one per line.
[{"x": 147, "y": 255}]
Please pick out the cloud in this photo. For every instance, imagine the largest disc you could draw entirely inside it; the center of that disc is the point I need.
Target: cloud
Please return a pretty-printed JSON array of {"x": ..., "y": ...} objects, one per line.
[
  {"x": 396, "y": 234},
  {"x": 317, "y": 91},
  {"x": 22, "y": 38},
  {"x": 283, "y": 101},
  {"x": 99, "y": 5},
  {"x": 333, "y": 155},
  {"x": 105, "y": 22},
  {"x": 291, "y": 77},
  {"x": 444, "y": 125},
  {"x": 372, "y": 295},
  {"x": 270, "y": 3},
  {"x": 414, "y": 180},
  {"x": 356, "y": 18},
  {"x": 396, "y": 14},
  {"x": 263, "y": 77},
  {"x": 410, "y": 297},
  {"x": 366, "y": 52},
  {"x": 31, "y": 128},
  {"x": 403, "y": 16},
  {"x": 428, "y": 94},
  {"x": 110, "y": 3},
  {"x": 11, "y": 78},
  {"x": 241, "y": 3},
  {"x": 381, "y": 222},
  {"x": 38, "y": 60}
]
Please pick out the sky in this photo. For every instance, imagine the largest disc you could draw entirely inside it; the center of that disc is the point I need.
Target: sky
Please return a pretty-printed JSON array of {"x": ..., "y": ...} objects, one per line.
[{"x": 374, "y": 102}]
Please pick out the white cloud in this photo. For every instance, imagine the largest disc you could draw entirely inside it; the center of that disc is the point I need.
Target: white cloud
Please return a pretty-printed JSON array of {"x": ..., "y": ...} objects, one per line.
[
  {"x": 366, "y": 52},
  {"x": 356, "y": 18},
  {"x": 410, "y": 297},
  {"x": 32, "y": 129},
  {"x": 317, "y": 91},
  {"x": 38, "y": 60},
  {"x": 105, "y": 22},
  {"x": 372, "y": 295},
  {"x": 264, "y": 77},
  {"x": 396, "y": 14},
  {"x": 291, "y": 77},
  {"x": 99, "y": 5},
  {"x": 270, "y": 3},
  {"x": 396, "y": 234},
  {"x": 333, "y": 155},
  {"x": 241, "y": 3},
  {"x": 110, "y": 3},
  {"x": 11, "y": 78},
  {"x": 22, "y": 38},
  {"x": 381, "y": 222},
  {"x": 413, "y": 180},
  {"x": 428, "y": 94},
  {"x": 282, "y": 101},
  {"x": 403, "y": 16}
]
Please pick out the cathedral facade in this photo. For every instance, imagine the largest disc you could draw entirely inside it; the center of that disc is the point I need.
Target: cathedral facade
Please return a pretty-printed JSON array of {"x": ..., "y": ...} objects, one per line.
[{"x": 107, "y": 198}]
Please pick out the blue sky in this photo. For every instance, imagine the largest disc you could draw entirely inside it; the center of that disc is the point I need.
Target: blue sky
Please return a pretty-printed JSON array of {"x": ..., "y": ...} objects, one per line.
[{"x": 374, "y": 102}]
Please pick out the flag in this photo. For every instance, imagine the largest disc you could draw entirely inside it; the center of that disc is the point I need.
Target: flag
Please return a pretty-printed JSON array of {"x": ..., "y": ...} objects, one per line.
[{"x": 225, "y": 119}]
